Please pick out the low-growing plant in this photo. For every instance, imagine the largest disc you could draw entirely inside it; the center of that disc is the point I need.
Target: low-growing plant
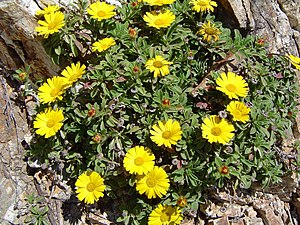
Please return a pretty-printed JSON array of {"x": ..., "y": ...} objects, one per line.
[
  {"x": 37, "y": 211},
  {"x": 156, "y": 103}
]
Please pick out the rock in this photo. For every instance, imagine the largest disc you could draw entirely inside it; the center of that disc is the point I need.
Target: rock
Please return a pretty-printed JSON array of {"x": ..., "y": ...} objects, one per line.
[
  {"x": 250, "y": 208},
  {"x": 283, "y": 189},
  {"x": 275, "y": 21},
  {"x": 15, "y": 184},
  {"x": 18, "y": 45}
]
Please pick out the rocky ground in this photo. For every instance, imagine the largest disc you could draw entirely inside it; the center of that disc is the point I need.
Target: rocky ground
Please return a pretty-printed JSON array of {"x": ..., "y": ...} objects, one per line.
[{"x": 276, "y": 21}]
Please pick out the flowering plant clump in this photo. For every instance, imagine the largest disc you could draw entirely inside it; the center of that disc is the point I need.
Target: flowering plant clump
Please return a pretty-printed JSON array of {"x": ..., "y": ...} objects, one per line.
[{"x": 155, "y": 102}]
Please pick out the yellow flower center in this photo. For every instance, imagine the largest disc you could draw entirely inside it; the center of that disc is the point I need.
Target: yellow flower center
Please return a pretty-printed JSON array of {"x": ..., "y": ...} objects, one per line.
[
  {"x": 237, "y": 113},
  {"x": 52, "y": 25},
  {"x": 231, "y": 87},
  {"x": 159, "y": 22},
  {"x": 54, "y": 92},
  {"x": 50, "y": 123},
  {"x": 216, "y": 131},
  {"x": 91, "y": 187},
  {"x": 101, "y": 13},
  {"x": 138, "y": 161},
  {"x": 165, "y": 217},
  {"x": 166, "y": 134},
  {"x": 151, "y": 182},
  {"x": 202, "y": 3},
  {"x": 104, "y": 46},
  {"x": 157, "y": 64},
  {"x": 210, "y": 31}
]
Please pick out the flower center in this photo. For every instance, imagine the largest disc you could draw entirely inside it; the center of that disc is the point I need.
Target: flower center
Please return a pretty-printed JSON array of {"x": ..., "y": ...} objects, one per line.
[
  {"x": 138, "y": 161},
  {"x": 231, "y": 87},
  {"x": 104, "y": 46},
  {"x": 52, "y": 25},
  {"x": 202, "y": 3},
  {"x": 151, "y": 182},
  {"x": 165, "y": 217},
  {"x": 159, "y": 22},
  {"x": 216, "y": 131},
  {"x": 237, "y": 113},
  {"x": 157, "y": 64},
  {"x": 166, "y": 134},
  {"x": 54, "y": 92},
  {"x": 210, "y": 31},
  {"x": 50, "y": 123},
  {"x": 101, "y": 13},
  {"x": 91, "y": 187}
]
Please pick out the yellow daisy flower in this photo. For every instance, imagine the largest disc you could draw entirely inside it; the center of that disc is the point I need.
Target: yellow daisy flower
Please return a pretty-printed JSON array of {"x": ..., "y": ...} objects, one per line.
[
  {"x": 101, "y": 11},
  {"x": 158, "y": 65},
  {"x": 74, "y": 72},
  {"x": 239, "y": 111},
  {"x": 103, "y": 44},
  {"x": 90, "y": 187},
  {"x": 203, "y": 5},
  {"x": 165, "y": 214},
  {"x": 154, "y": 184},
  {"x": 217, "y": 130},
  {"x": 139, "y": 160},
  {"x": 48, "y": 10},
  {"x": 232, "y": 85},
  {"x": 209, "y": 31},
  {"x": 159, "y": 2},
  {"x": 52, "y": 90},
  {"x": 48, "y": 122},
  {"x": 161, "y": 20},
  {"x": 54, "y": 21},
  {"x": 166, "y": 134},
  {"x": 295, "y": 61}
]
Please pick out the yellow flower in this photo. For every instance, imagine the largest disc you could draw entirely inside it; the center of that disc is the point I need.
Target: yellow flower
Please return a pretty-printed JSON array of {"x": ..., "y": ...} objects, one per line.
[
  {"x": 52, "y": 90},
  {"x": 48, "y": 10},
  {"x": 158, "y": 65},
  {"x": 139, "y": 160},
  {"x": 161, "y": 20},
  {"x": 154, "y": 184},
  {"x": 217, "y": 130},
  {"x": 90, "y": 187},
  {"x": 166, "y": 133},
  {"x": 295, "y": 61},
  {"x": 232, "y": 85},
  {"x": 203, "y": 5},
  {"x": 103, "y": 44},
  {"x": 164, "y": 215},
  {"x": 73, "y": 73},
  {"x": 209, "y": 31},
  {"x": 239, "y": 111},
  {"x": 159, "y": 2},
  {"x": 54, "y": 21},
  {"x": 48, "y": 122},
  {"x": 101, "y": 10}
]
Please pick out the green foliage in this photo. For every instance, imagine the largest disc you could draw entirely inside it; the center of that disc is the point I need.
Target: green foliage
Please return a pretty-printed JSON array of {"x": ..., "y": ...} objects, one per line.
[
  {"x": 37, "y": 211},
  {"x": 128, "y": 101}
]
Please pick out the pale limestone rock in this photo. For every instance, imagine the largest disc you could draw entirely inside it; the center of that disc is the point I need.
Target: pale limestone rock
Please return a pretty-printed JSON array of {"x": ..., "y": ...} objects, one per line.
[
  {"x": 276, "y": 22},
  {"x": 15, "y": 184},
  {"x": 292, "y": 10},
  {"x": 18, "y": 45}
]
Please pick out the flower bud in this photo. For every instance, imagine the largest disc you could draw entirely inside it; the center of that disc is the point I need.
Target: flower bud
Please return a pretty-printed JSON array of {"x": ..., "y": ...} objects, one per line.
[
  {"x": 166, "y": 102},
  {"x": 181, "y": 201},
  {"x": 97, "y": 138},
  {"x": 132, "y": 32},
  {"x": 91, "y": 112},
  {"x": 224, "y": 170}
]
